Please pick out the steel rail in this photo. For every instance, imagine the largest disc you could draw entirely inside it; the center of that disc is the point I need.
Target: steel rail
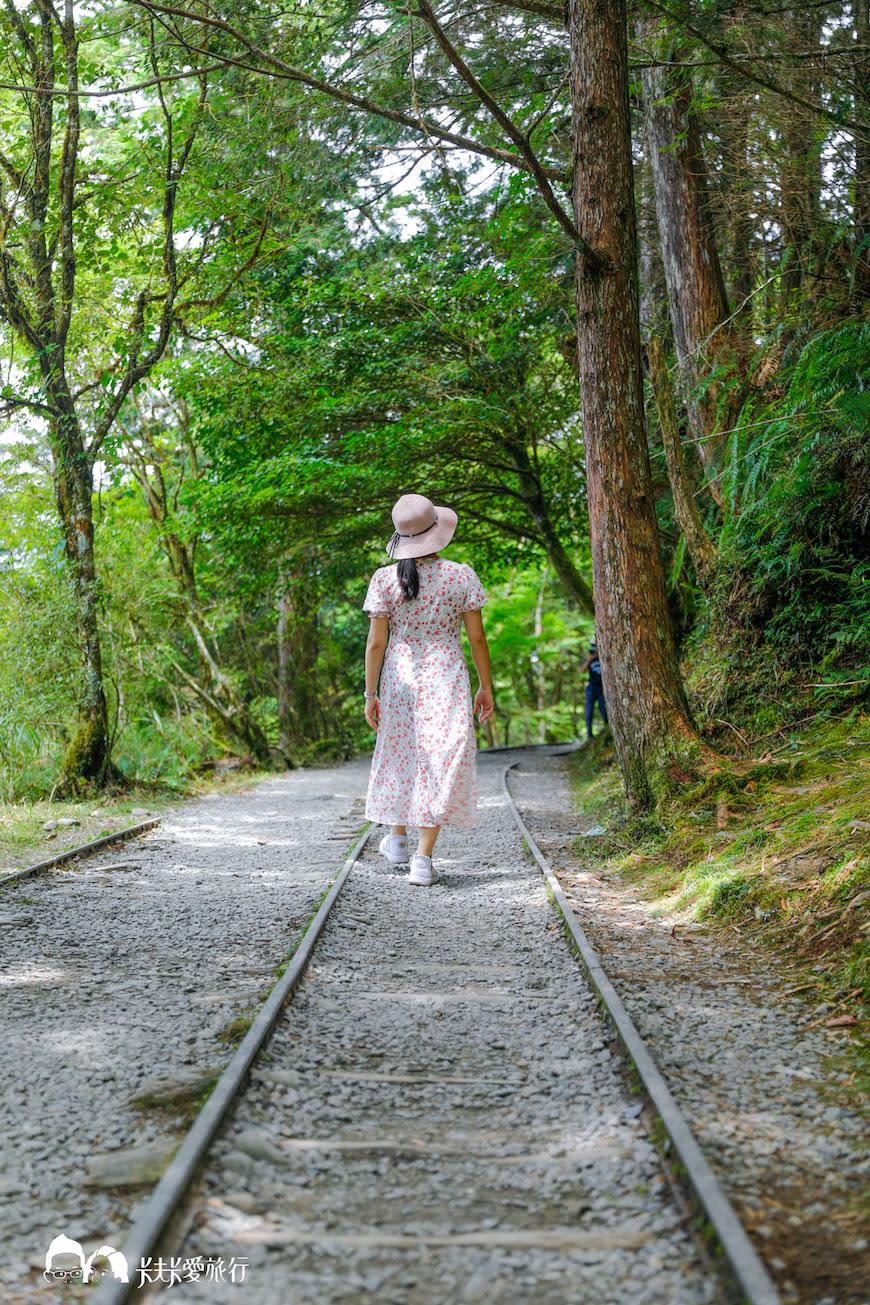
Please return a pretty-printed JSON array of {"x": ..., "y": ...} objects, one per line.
[
  {"x": 84, "y": 849},
  {"x": 143, "y": 1237},
  {"x": 745, "y": 1263}
]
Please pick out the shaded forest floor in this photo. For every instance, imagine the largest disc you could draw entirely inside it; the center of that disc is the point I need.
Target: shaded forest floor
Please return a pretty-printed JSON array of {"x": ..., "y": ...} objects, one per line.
[{"x": 783, "y": 863}]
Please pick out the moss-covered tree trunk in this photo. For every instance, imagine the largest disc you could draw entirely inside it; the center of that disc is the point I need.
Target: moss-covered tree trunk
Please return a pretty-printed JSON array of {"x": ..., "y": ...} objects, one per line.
[
  {"x": 705, "y": 337},
  {"x": 87, "y": 753},
  {"x": 862, "y": 151},
  {"x": 701, "y": 548},
  {"x": 38, "y": 298},
  {"x": 800, "y": 176},
  {"x": 655, "y": 737}
]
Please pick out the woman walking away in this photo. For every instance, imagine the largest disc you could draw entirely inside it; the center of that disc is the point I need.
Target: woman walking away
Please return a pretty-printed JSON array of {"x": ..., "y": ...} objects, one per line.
[{"x": 423, "y": 766}]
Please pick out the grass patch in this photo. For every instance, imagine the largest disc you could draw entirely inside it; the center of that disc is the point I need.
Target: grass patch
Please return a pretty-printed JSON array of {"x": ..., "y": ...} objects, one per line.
[
  {"x": 781, "y": 853},
  {"x": 23, "y": 839},
  {"x": 238, "y": 1026}
]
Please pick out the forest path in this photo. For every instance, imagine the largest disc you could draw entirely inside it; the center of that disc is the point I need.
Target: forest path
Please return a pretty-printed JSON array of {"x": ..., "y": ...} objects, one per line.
[
  {"x": 118, "y": 982},
  {"x": 118, "y": 978},
  {"x": 438, "y": 1116},
  {"x": 761, "y": 1088}
]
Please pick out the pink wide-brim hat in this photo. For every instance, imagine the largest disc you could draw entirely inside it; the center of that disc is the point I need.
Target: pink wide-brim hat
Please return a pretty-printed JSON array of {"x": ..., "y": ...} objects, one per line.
[{"x": 421, "y": 527}]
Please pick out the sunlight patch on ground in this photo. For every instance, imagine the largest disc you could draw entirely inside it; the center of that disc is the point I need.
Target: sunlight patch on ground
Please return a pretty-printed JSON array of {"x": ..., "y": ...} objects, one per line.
[{"x": 33, "y": 974}]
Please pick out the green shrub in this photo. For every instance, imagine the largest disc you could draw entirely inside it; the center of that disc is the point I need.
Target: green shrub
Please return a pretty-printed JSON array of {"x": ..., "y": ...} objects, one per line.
[{"x": 795, "y": 548}]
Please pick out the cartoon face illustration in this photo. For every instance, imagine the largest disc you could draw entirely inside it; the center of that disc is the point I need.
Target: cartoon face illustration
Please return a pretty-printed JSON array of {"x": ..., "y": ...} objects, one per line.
[
  {"x": 65, "y": 1250},
  {"x": 72, "y": 1261}
]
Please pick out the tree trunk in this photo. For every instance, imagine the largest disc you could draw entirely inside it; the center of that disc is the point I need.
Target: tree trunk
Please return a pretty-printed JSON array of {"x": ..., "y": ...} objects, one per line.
[
  {"x": 698, "y": 542},
  {"x": 653, "y": 293},
  {"x": 704, "y": 337},
  {"x": 223, "y": 703},
  {"x": 87, "y": 754},
  {"x": 801, "y": 172},
  {"x": 228, "y": 715},
  {"x": 285, "y": 712},
  {"x": 862, "y": 151},
  {"x": 226, "y": 710},
  {"x": 738, "y": 182},
  {"x": 654, "y": 734},
  {"x": 301, "y": 717},
  {"x": 538, "y": 665},
  {"x": 535, "y": 501}
]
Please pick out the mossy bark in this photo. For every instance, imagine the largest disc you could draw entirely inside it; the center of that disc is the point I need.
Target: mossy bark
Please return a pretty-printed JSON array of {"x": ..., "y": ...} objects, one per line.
[
  {"x": 701, "y": 548},
  {"x": 87, "y": 755},
  {"x": 705, "y": 336},
  {"x": 862, "y": 153}
]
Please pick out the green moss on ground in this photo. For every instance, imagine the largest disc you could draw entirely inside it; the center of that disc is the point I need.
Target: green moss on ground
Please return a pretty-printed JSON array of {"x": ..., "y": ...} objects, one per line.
[{"x": 780, "y": 853}]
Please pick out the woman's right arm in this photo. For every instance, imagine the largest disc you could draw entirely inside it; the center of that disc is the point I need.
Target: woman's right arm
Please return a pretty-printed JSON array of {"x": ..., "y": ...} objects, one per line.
[
  {"x": 376, "y": 646},
  {"x": 483, "y": 700}
]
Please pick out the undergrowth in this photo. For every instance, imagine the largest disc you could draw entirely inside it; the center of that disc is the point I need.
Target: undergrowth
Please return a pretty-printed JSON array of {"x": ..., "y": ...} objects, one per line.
[
  {"x": 782, "y": 857},
  {"x": 795, "y": 543}
]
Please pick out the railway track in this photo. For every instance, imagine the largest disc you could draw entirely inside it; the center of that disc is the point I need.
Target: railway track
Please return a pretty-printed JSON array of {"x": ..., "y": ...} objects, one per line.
[
  {"x": 81, "y": 852},
  {"x": 439, "y": 1115}
]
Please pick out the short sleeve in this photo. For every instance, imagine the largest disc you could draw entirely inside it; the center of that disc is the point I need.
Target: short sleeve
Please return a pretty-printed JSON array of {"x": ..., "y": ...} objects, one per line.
[
  {"x": 376, "y": 600},
  {"x": 475, "y": 594}
]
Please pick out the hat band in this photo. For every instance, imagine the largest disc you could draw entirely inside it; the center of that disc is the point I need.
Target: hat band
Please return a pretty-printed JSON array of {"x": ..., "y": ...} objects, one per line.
[{"x": 414, "y": 534}]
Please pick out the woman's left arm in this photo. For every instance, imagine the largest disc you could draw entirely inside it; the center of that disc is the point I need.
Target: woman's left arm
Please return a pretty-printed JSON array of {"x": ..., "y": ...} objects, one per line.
[
  {"x": 483, "y": 701},
  {"x": 376, "y": 646}
]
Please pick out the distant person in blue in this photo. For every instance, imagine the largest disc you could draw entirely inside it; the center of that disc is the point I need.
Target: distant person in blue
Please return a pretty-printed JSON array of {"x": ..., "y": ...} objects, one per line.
[{"x": 594, "y": 689}]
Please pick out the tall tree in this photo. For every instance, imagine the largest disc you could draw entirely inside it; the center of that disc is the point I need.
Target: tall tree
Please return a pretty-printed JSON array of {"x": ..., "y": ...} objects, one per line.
[
  {"x": 655, "y": 737},
  {"x": 800, "y": 180},
  {"x": 53, "y": 202},
  {"x": 705, "y": 338},
  {"x": 862, "y": 149},
  {"x": 698, "y": 542},
  {"x": 155, "y": 444}
]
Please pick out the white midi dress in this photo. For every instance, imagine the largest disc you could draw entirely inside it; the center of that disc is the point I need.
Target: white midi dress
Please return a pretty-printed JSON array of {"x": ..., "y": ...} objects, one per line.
[{"x": 423, "y": 768}]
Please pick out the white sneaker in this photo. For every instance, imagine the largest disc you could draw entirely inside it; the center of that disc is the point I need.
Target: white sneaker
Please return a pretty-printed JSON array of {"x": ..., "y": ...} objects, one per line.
[
  {"x": 395, "y": 848},
  {"x": 423, "y": 873}
]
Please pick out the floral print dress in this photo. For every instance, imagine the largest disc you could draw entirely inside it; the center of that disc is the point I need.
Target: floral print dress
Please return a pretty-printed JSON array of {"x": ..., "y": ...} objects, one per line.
[{"x": 423, "y": 766}]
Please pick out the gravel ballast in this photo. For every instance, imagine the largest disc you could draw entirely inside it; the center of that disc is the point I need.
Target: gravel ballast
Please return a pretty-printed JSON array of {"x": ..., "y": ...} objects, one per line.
[
  {"x": 118, "y": 978},
  {"x": 765, "y": 1094},
  {"x": 439, "y": 1116}
]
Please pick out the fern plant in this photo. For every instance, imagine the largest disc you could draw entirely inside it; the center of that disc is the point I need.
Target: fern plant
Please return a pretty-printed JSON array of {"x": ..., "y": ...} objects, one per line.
[{"x": 798, "y": 486}]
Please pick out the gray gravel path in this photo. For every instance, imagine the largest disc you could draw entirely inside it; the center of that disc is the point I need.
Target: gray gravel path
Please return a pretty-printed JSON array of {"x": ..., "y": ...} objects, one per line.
[
  {"x": 759, "y": 1088},
  {"x": 115, "y": 981},
  {"x": 438, "y": 1118}
]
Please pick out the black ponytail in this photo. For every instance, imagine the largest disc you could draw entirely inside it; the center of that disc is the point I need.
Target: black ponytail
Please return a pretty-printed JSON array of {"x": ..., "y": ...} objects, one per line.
[{"x": 409, "y": 578}]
